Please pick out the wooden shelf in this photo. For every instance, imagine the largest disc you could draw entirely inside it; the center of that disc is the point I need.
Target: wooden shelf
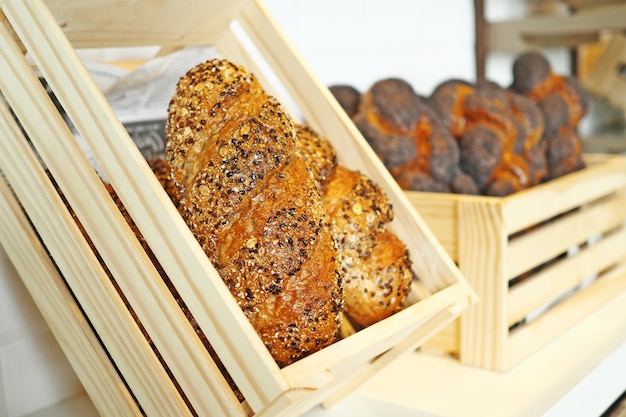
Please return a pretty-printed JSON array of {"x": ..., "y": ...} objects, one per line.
[
  {"x": 554, "y": 31},
  {"x": 543, "y": 31}
]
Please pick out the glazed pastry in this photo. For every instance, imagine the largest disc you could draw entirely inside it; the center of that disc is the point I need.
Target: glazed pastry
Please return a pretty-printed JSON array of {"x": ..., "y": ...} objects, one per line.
[
  {"x": 562, "y": 102},
  {"x": 448, "y": 101},
  {"x": 347, "y": 96},
  {"x": 530, "y": 127},
  {"x": 389, "y": 113},
  {"x": 564, "y": 153},
  {"x": 408, "y": 136},
  {"x": 532, "y": 75},
  {"x": 495, "y": 169}
]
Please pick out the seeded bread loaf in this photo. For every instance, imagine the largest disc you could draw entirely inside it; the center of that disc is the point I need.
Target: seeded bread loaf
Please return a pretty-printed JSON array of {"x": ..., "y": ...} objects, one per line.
[{"x": 252, "y": 203}]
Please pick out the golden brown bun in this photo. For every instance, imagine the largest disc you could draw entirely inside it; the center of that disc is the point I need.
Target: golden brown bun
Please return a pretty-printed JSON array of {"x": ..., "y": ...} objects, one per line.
[
  {"x": 375, "y": 262},
  {"x": 161, "y": 168},
  {"x": 317, "y": 151},
  {"x": 254, "y": 207}
]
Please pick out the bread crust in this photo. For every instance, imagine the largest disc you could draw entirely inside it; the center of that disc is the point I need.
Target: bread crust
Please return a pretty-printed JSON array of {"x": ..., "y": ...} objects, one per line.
[{"x": 253, "y": 205}]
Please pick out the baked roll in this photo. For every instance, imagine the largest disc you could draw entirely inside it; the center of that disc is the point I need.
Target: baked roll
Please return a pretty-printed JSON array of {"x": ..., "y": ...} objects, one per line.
[{"x": 374, "y": 261}]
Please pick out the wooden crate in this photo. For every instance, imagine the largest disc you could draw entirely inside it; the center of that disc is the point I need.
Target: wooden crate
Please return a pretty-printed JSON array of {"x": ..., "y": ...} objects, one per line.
[
  {"x": 161, "y": 367},
  {"x": 540, "y": 260}
]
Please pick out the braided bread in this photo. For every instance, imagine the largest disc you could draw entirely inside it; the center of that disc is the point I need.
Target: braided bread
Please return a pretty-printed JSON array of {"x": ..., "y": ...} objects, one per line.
[{"x": 253, "y": 205}]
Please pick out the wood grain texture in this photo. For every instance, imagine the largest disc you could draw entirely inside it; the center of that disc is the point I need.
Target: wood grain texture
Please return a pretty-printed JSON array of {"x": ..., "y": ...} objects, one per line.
[
  {"x": 58, "y": 306},
  {"x": 482, "y": 258},
  {"x": 564, "y": 315},
  {"x": 605, "y": 78},
  {"x": 441, "y": 213},
  {"x": 548, "y": 241},
  {"x": 111, "y": 145},
  {"x": 531, "y": 206},
  {"x": 554, "y": 281},
  {"x": 102, "y": 23}
]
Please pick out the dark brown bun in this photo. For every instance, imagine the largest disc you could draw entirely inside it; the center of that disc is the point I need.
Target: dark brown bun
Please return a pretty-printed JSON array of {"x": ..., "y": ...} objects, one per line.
[
  {"x": 532, "y": 75},
  {"x": 347, "y": 96},
  {"x": 448, "y": 101}
]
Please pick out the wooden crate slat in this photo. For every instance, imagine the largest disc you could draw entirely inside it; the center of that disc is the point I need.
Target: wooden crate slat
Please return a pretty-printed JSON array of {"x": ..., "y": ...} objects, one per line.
[
  {"x": 315, "y": 102},
  {"x": 57, "y": 305},
  {"x": 482, "y": 236},
  {"x": 531, "y": 206},
  {"x": 340, "y": 357},
  {"x": 447, "y": 341},
  {"x": 73, "y": 256},
  {"x": 348, "y": 381},
  {"x": 210, "y": 302},
  {"x": 98, "y": 23},
  {"x": 565, "y": 314},
  {"x": 509, "y": 35},
  {"x": 547, "y": 242},
  {"x": 239, "y": 48},
  {"x": 556, "y": 280},
  {"x": 151, "y": 305},
  {"x": 118, "y": 245},
  {"x": 409, "y": 344},
  {"x": 605, "y": 78},
  {"x": 442, "y": 218},
  {"x": 292, "y": 70}
]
